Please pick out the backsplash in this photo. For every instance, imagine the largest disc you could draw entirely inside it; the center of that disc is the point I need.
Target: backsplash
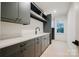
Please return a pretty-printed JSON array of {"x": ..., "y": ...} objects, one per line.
[
  {"x": 31, "y": 27},
  {"x": 12, "y": 30}
]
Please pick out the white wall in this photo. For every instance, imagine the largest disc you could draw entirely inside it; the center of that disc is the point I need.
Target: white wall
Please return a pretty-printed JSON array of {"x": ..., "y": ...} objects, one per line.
[
  {"x": 30, "y": 29},
  {"x": 12, "y": 30},
  {"x": 53, "y": 21},
  {"x": 61, "y": 36},
  {"x": 77, "y": 22},
  {"x": 71, "y": 34}
]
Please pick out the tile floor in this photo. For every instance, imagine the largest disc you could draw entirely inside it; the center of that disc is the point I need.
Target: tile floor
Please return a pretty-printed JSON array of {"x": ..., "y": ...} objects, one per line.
[{"x": 57, "y": 49}]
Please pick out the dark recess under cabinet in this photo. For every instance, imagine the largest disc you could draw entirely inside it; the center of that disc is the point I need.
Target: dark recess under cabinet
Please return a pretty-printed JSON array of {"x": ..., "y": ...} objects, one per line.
[
  {"x": 37, "y": 13},
  {"x": 35, "y": 9}
]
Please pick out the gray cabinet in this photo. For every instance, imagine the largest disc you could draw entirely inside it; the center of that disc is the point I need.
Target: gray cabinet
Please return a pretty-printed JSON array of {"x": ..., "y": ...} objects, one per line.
[
  {"x": 46, "y": 38},
  {"x": 9, "y": 51},
  {"x": 16, "y": 54},
  {"x": 31, "y": 48},
  {"x": 24, "y": 12},
  {"x": 47, "y": 26},
  {"x": 15, "y": 12},
  {"x": 45, "y": 42},
  {"x": 38, "y": 46},
  {"x": 24, "y": 49},
  {"x": 9, "y": 11},
  {"x": 28, "y": 48}
]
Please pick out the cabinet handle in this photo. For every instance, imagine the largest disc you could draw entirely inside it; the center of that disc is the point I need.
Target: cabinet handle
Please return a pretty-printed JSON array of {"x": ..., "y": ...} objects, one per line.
[
  {"x": 22, "y": 45},
  {"x": 37, "y": 38},
  {"x": 44, "y": 38},
  {"x": 17, "y": 19}
]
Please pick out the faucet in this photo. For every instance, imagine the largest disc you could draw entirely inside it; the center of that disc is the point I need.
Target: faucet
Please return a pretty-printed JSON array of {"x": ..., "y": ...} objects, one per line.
[{"x": 36, "y": 30}]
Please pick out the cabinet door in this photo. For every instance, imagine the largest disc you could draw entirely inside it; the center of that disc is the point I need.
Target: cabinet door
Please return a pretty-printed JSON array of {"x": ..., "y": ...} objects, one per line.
[
  {"x": 48, "y": 39},
  {"x": 38, "y": 47},
  {"x": 28, "y": 49},
  {"x": 45, "y": 41},
  {"x": 0, "y": 53},
  {"x": 9, "y": 50},
  {"x": 9, "y": 11},
  {"x": 16, "y": 54},
  {"x": 24, "y": 12},
  {"x": 43, "y": 44}
]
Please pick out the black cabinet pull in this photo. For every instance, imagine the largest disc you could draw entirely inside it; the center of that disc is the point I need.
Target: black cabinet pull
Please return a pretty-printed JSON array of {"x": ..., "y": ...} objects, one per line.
[
  {"x": 44, "y": 38},
  {"x": 37, "y": 38},
  {"x": 37, "y": 42},
  {"x": 22, "y": 45}
]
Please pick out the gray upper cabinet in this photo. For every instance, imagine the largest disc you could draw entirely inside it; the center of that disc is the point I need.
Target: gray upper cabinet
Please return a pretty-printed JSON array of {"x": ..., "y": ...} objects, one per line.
[
  {"x": 9, "y": 11},
  {"x": 24, "y": 12},
  {"x": 15, "y": 12}
]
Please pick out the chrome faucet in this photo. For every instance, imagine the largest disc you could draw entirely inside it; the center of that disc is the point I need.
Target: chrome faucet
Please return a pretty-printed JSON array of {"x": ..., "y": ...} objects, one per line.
[{"x": 36, "y": 30}]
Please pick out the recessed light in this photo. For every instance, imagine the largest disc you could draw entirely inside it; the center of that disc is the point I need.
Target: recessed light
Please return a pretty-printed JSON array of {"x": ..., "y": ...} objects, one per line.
[{"x": 54, "y": 11}]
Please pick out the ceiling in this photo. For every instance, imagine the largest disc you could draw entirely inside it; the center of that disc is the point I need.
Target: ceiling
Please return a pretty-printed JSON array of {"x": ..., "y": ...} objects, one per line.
[{"x": 60, "y": 7}]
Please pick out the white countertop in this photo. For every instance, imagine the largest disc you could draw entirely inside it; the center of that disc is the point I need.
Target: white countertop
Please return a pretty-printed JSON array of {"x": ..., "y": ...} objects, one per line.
[{"x": 9, "y": 42}]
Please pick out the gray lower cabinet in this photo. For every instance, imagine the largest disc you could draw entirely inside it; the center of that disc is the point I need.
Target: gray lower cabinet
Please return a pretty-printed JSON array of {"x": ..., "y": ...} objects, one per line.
[
  {"x": 28, "y": 48},
  {"x": 16, "y": 54},
  {"x": 38, "y": 46},
  {"x": 45, "y": 42},
  {"x": 24, "y": 49},
  {"x": 31, "y": 48},
  {"x": 9, "y": 51},
  {"x": 15, "y": 12},
  {"x": 48, "y": 39}
]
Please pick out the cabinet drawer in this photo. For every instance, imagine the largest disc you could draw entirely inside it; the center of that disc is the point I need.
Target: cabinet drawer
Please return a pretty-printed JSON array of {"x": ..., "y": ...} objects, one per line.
[
  {"x": 9, "y": 50},
  {"x": 27, "y": 48},
  {"x": 28, "y": 51},
  {"x": 16, "y": 54},
  {"x": 27, "y": 43}
]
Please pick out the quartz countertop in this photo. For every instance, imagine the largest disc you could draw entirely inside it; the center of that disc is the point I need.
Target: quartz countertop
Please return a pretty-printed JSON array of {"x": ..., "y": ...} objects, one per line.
[{"x": 12, "y": 41}]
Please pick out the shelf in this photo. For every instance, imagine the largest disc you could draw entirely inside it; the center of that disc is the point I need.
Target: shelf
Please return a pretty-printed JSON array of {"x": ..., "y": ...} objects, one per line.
[
  {"x": 44, "y": 16},
  {"x": 36, "y": 16}
]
